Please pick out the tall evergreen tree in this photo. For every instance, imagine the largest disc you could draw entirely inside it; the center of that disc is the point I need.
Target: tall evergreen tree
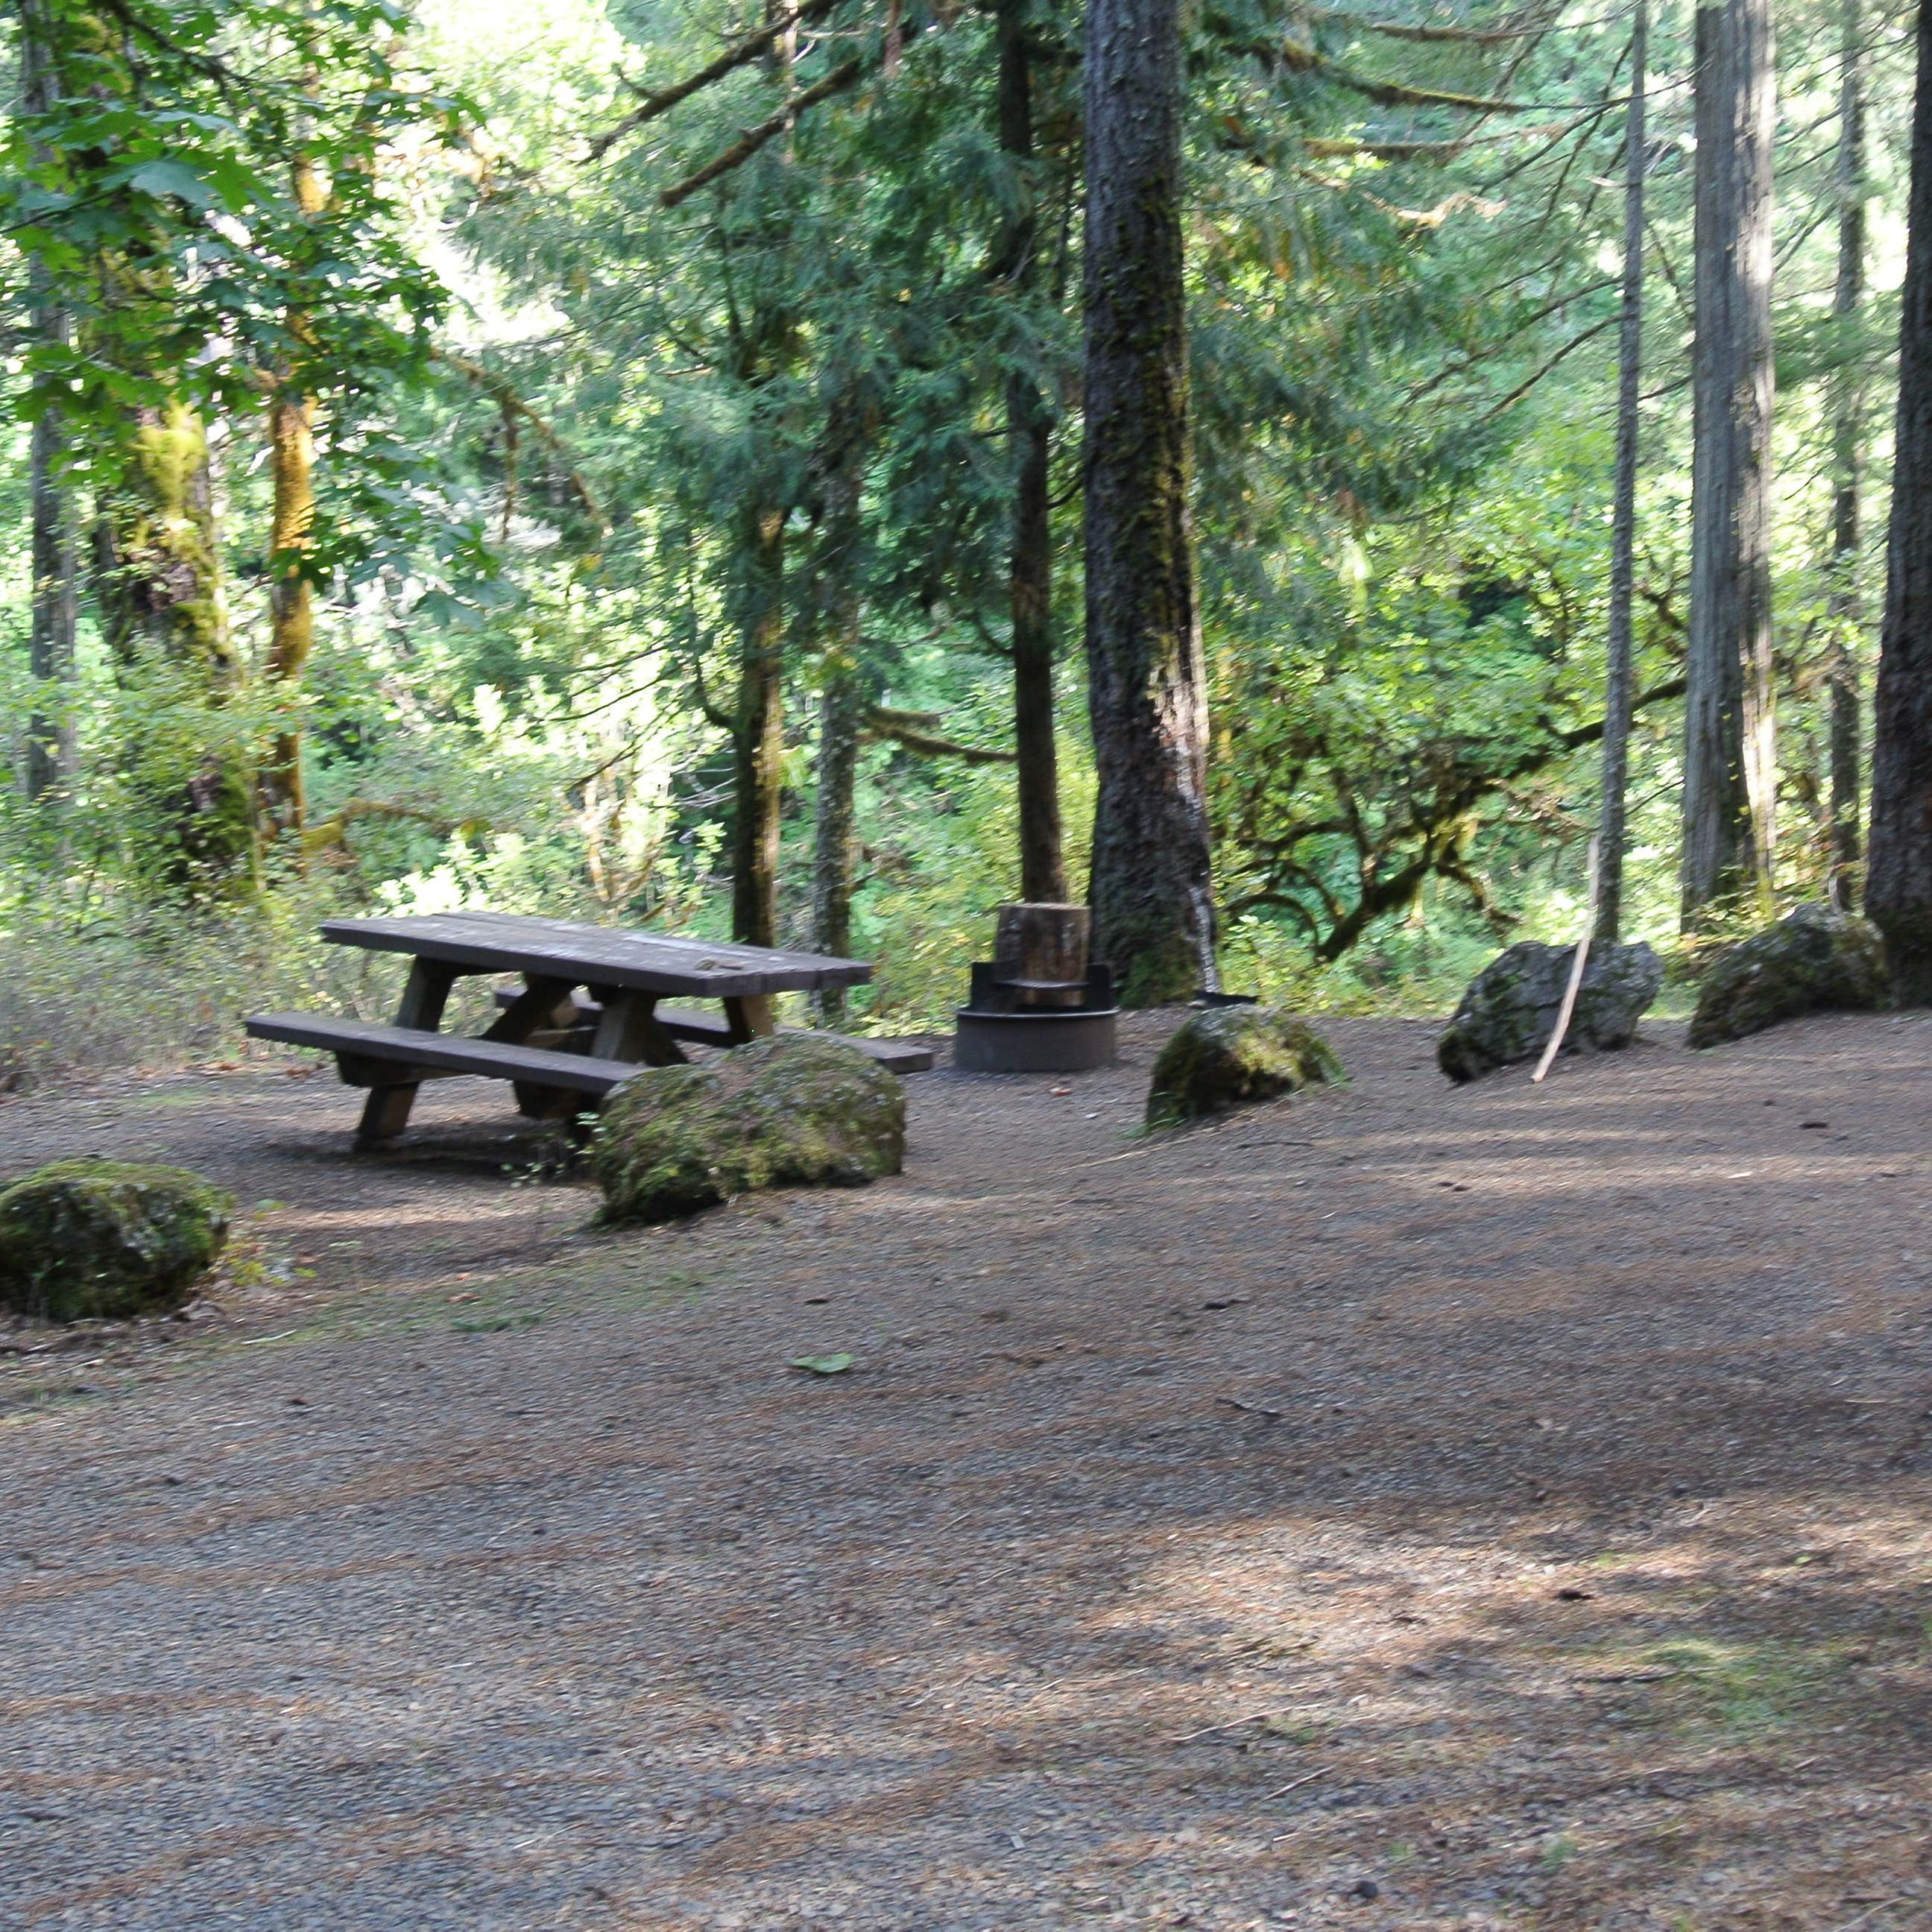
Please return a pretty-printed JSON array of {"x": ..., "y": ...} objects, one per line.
[
  {"x": 1152, "y": 885},
  {"x": 1898, "y": 888}
]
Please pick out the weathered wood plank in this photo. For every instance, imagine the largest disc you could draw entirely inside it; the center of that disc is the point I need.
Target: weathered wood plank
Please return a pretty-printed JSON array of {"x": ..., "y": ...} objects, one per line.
[
  {"x": 898, "y": 1056},
  {"x": 492, "y": 1059},
  {"x": 586, "y": 955}
]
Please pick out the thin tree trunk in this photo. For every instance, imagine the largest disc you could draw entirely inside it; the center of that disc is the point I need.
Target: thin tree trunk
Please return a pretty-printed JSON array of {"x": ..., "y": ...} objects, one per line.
[
  {"x": 1029, "y": 432},
  {"x": 1152, "y": 884},
  {"x": 1843, "y": 610},
  {"x": 1730, "y": 765},
  {"x": 291, "y": 602},
  {"x": 1618, "y": 686},
  {"x": 1898, "y": 880},
  {"x": 51, "y": 744},
  {"x": 841, "y": 711},
  {"x": 757, "y": 738},
  {"x": 852, "y": 423}
]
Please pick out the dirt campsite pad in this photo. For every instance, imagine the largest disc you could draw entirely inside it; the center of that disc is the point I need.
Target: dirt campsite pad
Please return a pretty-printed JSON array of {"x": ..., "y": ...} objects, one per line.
[{"x": 1398, "y": 1508}]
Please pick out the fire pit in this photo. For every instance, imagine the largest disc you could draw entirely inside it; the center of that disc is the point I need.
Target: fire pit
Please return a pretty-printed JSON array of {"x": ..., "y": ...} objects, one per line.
[{"x": 1039, "y": 1005}]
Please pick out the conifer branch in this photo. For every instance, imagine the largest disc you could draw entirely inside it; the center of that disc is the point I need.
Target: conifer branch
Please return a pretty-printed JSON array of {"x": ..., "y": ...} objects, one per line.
[
  {"x": 748, "y": 143},
  {"x": 734, "y": 57}
]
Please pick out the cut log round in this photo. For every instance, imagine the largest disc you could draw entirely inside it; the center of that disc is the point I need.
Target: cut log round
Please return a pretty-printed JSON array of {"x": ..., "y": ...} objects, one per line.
[{"x": 1041, "y": 950}]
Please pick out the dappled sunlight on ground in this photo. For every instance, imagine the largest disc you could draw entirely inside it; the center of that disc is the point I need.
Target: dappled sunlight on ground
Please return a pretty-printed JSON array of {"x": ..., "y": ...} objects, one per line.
[{"x": 1229, "y": 1530}]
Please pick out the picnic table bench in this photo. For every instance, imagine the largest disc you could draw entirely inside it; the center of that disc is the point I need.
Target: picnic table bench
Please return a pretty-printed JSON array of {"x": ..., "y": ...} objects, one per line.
[{"x": 586, "y": 1017}]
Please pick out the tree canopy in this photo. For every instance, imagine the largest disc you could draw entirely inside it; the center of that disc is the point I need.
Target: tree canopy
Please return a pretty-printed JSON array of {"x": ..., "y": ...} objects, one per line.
[{"x": 662, "y": 461}]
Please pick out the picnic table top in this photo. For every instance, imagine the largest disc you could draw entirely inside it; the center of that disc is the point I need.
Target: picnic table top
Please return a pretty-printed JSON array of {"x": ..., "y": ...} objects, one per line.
[{"x": 597, "y": 955}]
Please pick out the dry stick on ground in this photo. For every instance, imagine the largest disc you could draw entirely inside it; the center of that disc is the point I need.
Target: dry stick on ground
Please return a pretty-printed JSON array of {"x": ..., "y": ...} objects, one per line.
[{"x": 1577, "y": 964}]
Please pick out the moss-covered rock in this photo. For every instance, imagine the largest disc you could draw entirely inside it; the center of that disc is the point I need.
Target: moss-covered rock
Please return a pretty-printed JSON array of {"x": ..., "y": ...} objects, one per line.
[
  {"x": 789, "y": 1111},
  {"x": 1227, "y": 1056},
  {"x": 84, "y": 1239},
  {"x": 1812, "y": 958},
  {"x": 1510, "y": 1010}
]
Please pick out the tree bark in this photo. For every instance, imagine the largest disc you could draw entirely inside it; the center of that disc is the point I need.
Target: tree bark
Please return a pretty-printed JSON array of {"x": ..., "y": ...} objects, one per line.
[
  {"x": 844, "y": 700},
  {"x": 1898, "y": 883},
  {"x": 1029, "y": 435},
  {"x": 841, "y": 711},
  {"x": 1729, "y": 767},
  {"x": 757, "y": 737},
  {"x": 1843, "y": 611},
  {"x": 1152, "y": 884},
  {"x": 1619, "y": 687},
  {"x": 52, "y": 748},
  {"x": 291, "y": 601}
]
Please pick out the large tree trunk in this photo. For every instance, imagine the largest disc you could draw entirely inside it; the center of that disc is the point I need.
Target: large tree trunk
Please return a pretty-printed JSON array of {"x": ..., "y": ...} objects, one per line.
[
  {"x": 1029, "y": 433},
  {"x": 757, "y": 736},
  {"x": 1729, "y": 766},
  {"x": 51, "y": 746},
  {"x": 164, "y": 613},
  {"x": 1898, "y": 882},
  {"x": 1843, "y": 611},
  {"x": 1152, "y": 885},
  {"x": 1618, "y": 687},
  {"x": 291, "y": 603}
]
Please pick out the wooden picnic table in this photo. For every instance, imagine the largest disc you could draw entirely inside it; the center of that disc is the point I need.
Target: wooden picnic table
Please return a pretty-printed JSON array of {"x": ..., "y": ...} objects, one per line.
[{"x": 587, "y": 1016}]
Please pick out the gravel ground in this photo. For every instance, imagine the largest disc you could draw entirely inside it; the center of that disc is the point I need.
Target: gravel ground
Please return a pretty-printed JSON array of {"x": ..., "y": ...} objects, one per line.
[{"x": 1401, "y": 1507}]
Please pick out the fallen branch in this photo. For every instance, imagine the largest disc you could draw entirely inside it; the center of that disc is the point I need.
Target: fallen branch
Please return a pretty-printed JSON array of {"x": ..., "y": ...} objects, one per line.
[{"x": 1577, "y": 963}]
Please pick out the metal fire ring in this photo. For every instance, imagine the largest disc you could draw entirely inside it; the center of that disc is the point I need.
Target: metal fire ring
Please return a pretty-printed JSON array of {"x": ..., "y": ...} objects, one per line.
[{"x": 1047, "y": 1040}]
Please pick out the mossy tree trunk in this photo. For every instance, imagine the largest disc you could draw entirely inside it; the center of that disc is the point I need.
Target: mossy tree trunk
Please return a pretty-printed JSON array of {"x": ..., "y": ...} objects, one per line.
[
  {"x": 291, "y": 601},
  {"x": 1152, "y": 885},
  {"x": 164, "y": 614}
]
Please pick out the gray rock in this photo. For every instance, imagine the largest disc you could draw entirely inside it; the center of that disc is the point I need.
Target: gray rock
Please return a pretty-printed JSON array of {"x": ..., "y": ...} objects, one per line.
[
  {"x": 1510, "y": 1010},
  {"x": 791, "y": 1110},
  {"x": 1813, "y": 958},
  {"x": 1227, "y": 1056},
  {"x": 85, "y": 1239}
]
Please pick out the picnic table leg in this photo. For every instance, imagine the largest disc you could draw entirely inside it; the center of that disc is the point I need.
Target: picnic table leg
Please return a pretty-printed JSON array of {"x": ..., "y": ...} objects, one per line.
[
  {"x": 750, "y": 1018},
  {"x": 629, "y": 1030},
  {"x": 386, "y": 1112}
]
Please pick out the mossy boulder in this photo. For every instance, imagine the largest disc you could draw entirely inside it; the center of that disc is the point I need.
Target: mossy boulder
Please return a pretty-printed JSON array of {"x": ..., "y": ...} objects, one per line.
[
  {"x": 791, "y": 1110},
  {"x": 1813, "y": 958},
  {"x": 1228, "y": 1056},
  {"x": 86, "y": 1239},
  {"x": 1510, "y": 1010}
]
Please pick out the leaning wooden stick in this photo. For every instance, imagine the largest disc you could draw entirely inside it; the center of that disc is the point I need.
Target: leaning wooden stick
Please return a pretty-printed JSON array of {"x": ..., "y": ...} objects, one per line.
[{"x": 1577, "y": 965}]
